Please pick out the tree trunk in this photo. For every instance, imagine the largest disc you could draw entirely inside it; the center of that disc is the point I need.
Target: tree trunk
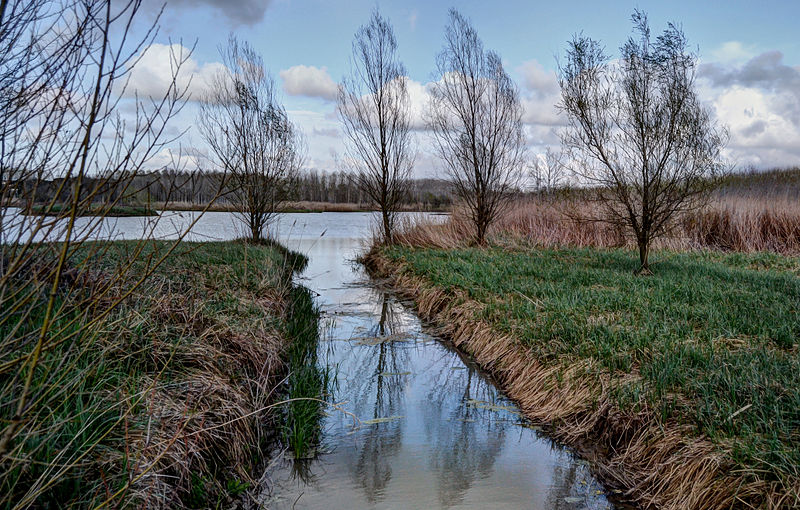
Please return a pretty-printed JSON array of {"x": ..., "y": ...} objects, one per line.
[
  {"x": 481, "y": 234},
  {"x": 387, "y": 227},
  {"x": 644, "y": 253}
]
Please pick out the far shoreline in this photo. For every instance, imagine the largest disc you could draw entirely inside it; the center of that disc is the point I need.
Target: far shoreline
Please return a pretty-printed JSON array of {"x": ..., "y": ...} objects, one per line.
[{"x": 155, "y": 208}]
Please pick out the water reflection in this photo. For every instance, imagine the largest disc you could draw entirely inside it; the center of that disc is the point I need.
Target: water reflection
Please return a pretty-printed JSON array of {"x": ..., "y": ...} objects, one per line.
[
  {"x": 434, "y": 431},
  {"x": 378, "y": 399}
]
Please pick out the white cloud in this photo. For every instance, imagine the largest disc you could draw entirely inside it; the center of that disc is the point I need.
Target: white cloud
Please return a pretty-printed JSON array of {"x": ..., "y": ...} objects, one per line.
[
  {"x": 418, "y": 100},
  {"x": 309, "y": 81},
  {"x": 732, "y": 52},
  {"x": 540, "y": 94},
  {"x": 152, "y": 74},
  {"x": 759, "y": 101},
  {"x": 538, "y": 80}
]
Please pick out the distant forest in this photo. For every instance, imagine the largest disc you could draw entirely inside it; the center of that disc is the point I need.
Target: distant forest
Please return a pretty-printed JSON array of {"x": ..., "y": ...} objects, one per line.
[{"x": 199, "y": 188}]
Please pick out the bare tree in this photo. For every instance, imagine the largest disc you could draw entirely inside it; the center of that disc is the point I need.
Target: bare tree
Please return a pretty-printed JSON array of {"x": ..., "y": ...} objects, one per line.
[
  {"x": 373, "y": 107},
  {"x": 548, "y": 171},
  {"x": 642, "y": 139},
  {"x": 475, "y": 115},
  {"x": 251, "y": 137}
]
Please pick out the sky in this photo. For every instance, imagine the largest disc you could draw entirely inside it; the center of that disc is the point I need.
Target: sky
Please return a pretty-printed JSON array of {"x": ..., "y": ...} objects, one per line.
[{"x": 749, "y": 74}]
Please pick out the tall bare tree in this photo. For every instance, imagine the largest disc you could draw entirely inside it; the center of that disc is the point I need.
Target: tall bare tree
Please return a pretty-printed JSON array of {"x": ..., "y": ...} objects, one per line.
[
  {"x": 475, "y": 115},
  {"x": 641, "y": 137},
  {"x": 251, "y": 137},
  {"x": 374, "y": 109}
]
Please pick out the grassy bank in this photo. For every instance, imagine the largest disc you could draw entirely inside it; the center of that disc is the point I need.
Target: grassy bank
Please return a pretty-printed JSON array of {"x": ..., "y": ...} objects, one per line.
[
  {"x": 174, "y": 400},
  {"x": 683, "y": 388},
  {"x": 116, "y": 211}
]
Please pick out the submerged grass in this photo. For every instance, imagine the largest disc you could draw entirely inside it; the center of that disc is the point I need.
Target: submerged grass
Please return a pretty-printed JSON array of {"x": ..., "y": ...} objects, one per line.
[
  {"x": 307, "y": 384},
  {"x": 167, "y": 403},
  {"x": 709, "y": 342}
]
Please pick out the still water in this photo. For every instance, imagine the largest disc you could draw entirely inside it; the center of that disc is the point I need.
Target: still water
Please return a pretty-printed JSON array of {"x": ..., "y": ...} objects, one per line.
[
  {"x": 432, "y": 431},
  {"x": 419, "y": 426}
]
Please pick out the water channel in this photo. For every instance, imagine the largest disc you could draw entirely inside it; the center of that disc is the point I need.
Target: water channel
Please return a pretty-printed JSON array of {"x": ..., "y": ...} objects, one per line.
[
  {"x": 434, "y": 431},
  {"x": 430, "y": 429}
]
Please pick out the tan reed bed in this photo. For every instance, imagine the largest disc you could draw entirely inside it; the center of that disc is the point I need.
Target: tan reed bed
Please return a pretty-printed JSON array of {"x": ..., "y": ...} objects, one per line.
[
  {"x": 651, "y": 463},
  {"x": 733, "y": 222}
]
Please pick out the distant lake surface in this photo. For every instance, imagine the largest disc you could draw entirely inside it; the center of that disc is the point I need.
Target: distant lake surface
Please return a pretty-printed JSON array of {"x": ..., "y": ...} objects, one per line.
[{"x": 210, "y": 226}]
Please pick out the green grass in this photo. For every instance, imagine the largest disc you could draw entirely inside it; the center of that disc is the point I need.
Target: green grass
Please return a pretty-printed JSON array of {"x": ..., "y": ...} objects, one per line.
[
  {"x": 710, "y": 334},
  {"x": 307, "y": 384},
  {"x": 193, "y": 315}
]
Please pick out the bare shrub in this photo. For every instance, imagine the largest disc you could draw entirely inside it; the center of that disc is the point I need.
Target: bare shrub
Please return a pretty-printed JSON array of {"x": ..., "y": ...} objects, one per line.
[
  {"x": 548, "y": 171},
  {"x": 251, "y": 137},
  {"x": 63, "y": 67}
]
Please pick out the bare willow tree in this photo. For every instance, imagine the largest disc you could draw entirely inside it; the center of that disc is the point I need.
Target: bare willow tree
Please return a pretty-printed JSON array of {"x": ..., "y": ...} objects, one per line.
[
  {"x": 639, "y": 134},
  {"x": 374, "y": 109},
  {"x": 251, "y": 137},
  {"x": 63, "y": 69},
  {"x": 476, "y": 117},
  {"x": 548, "y": 170}
]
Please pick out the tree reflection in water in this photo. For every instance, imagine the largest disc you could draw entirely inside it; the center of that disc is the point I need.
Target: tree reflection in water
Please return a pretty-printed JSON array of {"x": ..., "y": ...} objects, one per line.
[
  {"x": 466, "y": 438},
  {"x": 435, "y": 432},
  {"x": 379, "y": 371}
]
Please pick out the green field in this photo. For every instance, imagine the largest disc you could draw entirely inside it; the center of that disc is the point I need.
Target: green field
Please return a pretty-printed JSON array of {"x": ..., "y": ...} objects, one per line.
[{"x": 714, "y": 337}]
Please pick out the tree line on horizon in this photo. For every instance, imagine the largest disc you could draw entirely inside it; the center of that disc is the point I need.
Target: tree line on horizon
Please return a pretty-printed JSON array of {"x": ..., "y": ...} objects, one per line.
[{"x": 199, "y": 188}]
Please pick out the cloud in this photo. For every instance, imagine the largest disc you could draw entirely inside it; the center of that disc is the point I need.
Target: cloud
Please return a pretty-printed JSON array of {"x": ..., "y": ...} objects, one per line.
[
  {"x": 540, "y": 94},
  {"x": 309, "y": 81},
  {"x": 759, "y": 101},
  {"x": 732, "y": 52},
  {"x": 239, "y": 12},
  {"x": 766, "y": 70},
  {"x": 152, "y": 74},
  {"x": 538, "y": 80},
  {"x": 418, "y": 101},
  {"x": 328, "y": 132}
]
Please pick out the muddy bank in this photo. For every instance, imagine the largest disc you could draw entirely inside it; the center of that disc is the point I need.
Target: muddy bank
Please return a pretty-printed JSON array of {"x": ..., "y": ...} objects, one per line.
[{"x": 647, "y": 461}]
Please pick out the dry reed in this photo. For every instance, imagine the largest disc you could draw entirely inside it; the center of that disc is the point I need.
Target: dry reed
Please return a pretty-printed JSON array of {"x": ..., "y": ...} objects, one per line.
[{"x": 729, "y": 223}]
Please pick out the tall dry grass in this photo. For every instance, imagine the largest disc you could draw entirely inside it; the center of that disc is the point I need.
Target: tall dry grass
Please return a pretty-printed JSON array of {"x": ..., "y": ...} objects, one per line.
[{"x": 731, "y": 222}]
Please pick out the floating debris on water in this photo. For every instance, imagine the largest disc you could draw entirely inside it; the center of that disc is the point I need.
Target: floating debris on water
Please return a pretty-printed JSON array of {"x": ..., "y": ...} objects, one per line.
[
  {"x": 375, "y": 421},
  {"x": 377, "y": 340},
  {"x": 482, "y": 404},
  {"x": 386, "y": 374}
]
